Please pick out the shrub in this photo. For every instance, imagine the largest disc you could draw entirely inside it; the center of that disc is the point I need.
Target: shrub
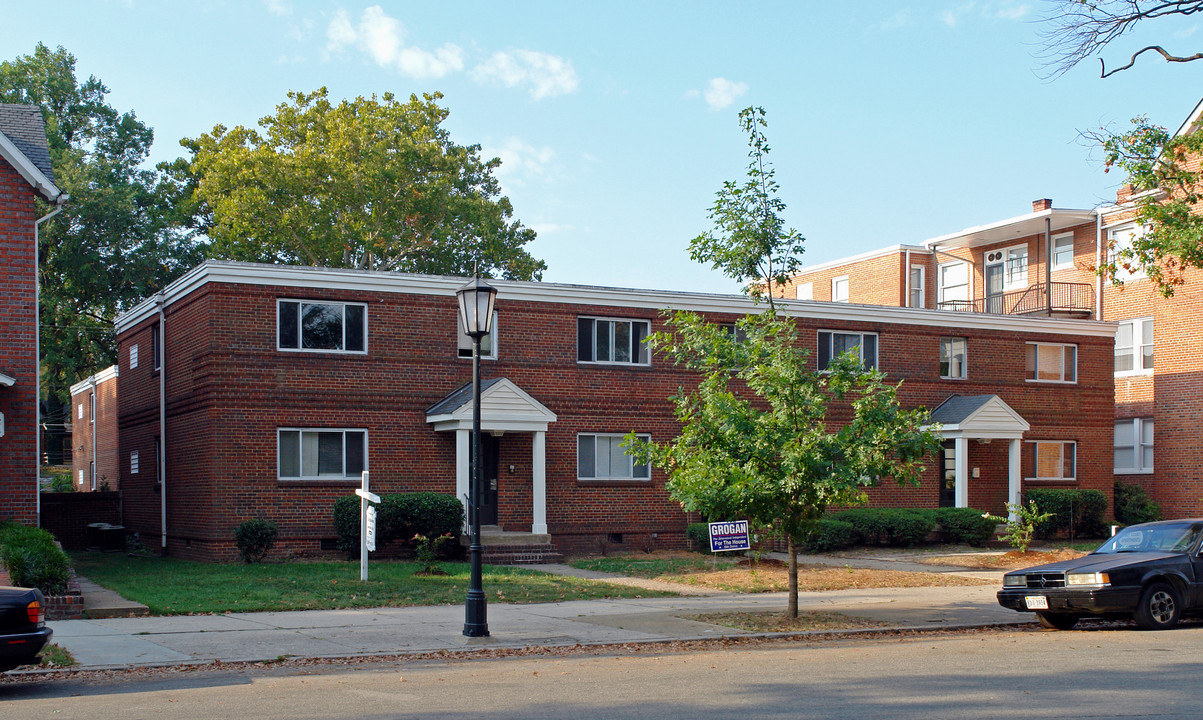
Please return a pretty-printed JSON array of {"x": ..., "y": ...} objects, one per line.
[
  {"x": 1075, "y": 512},
  {"x": 255, "y": 538},
  {"x": 698, "y": 535},
  {"x": 965, "y": 525},
  {"x": 832, "y": 534},
  {"x": 401, "y": 515},
  {"x": 1133, "y": 505},
  {"x": 33, "y": 559},
  {"x": 889, "y": 526}
]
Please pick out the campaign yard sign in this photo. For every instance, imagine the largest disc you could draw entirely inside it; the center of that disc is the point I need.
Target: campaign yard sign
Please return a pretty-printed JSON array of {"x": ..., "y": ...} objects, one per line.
[{"x": 730, "y": 535}]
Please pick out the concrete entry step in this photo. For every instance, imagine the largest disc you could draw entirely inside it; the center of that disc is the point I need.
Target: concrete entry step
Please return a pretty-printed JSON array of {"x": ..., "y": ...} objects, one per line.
[{"x": 502, "y": 547}]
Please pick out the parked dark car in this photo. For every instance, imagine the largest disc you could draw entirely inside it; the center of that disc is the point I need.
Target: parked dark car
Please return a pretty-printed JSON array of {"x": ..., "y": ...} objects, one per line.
[
  {"x": 23, "y": 630},
  {"x": 1151, "y": 572}
]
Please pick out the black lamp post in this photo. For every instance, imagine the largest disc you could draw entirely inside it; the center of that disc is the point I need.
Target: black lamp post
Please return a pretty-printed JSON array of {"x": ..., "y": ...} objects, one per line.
[{"x": 476, "y": 314}]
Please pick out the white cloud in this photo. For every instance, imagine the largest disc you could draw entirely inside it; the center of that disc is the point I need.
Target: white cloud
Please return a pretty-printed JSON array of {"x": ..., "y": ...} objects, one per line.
[
  {"x": 548, "y": 228},
  {"x": 521, "y": 162},
  {"x": 382, "y": 37},
  {"x": 953, "y": 16},
  {"x": 545, "y": 75},
  {"x": 278, "y": 7},
  {"x": 1186, "y": 32},
  {"x": 721, "y": 92},
  {"x": 1012, "y": 12},
  {"x": 900, "y": 19}
]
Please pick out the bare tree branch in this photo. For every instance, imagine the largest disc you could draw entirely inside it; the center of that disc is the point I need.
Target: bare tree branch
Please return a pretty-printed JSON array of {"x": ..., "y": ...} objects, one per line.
[
  {"x": 1079, "y": 29},
  {"x": 1157, "y": 48}
]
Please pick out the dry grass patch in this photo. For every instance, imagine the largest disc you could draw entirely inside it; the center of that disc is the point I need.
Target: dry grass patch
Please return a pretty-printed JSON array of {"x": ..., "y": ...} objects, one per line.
[
  {"x": 772, "y": 621},
  {"x": 773, "y": 576},
  {"x": 1007, "y": 561}
]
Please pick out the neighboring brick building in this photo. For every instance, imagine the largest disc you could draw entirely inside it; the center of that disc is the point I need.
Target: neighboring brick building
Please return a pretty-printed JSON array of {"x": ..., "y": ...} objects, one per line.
[
  {"x": 25, "y": 176},
  {"x": 1009, "y": 267},
  {"x": 283, "y": 383},
  {"x": 94, "y": 432}
]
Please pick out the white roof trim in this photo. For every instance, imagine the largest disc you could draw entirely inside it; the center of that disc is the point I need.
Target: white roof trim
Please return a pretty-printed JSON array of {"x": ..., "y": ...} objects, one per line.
[
  {"x": 28, "y": 170},
  {"x": 291, "y": 277},
  {"x": 1190, "y": 120},
  {"x": 6, "y": 381},
  {"x": 529, "y": 415},
  {"x": 995, "y": 419},
  {"x": 109, "y": 373},
  {"x": 1020, "y": 227},
  {"x": 871, "y": 254}
]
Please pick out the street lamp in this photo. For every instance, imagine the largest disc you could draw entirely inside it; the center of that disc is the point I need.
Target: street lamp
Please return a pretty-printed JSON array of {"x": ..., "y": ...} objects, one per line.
[{"x": 476, "y": 314}]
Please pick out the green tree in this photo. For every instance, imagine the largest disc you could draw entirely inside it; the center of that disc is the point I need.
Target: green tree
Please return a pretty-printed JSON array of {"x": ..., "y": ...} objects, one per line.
[
  {"x": 371, "y": 183},
  {"x": 117, "y": 239},
  {"x": 750, "y": 242},
  {"x": 766, "y": 438},
  {"x": 1164, "y": 172}
]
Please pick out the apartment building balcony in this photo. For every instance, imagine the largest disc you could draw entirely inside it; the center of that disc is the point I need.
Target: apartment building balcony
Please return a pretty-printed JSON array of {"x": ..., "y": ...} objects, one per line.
[{"x": 1059, "y": 299}]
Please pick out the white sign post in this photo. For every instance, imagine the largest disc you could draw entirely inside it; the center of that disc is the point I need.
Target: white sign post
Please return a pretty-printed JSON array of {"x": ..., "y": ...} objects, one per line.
[{"x": 367, "y": 525}]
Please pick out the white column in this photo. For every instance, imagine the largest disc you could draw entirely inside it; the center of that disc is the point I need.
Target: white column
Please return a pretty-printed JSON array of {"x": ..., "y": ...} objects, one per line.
[
  {"x": 539, "y": 482},
  {"x": 961, "y": 449},
  {"x": 1014, "y": 474},
  {"x": 463, "y": 467}
]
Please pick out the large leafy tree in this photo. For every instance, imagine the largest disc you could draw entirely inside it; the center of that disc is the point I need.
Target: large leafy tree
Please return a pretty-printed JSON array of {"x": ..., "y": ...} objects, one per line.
[
  {"x": 769, "y": 439},
  {"x": 117, "y": 239},
  {"x": 750, "y": 241},
  {"x": 370, "y": 183}
]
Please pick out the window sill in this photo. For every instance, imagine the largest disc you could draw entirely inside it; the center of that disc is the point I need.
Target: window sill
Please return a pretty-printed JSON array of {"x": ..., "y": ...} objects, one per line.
[
  {"x": 1052, "y": 480},
  {"x": 311, "y": 351},
  {"x": 1052, "y": 382},
  {"x": 1132, "y": 471},
  {"x": 1134, "y": 373},
  {"x": 311, "y": 482},
  {"x": 953, "y": 377},
  {"x": 613, "y": 481},
  {"x": 601, "y": 363}
]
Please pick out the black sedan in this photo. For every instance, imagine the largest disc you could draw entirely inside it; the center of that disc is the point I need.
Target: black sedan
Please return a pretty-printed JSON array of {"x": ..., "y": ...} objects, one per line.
[
  {"x": 1152, "y": 573},
  {"x": 23, "y": 630}
]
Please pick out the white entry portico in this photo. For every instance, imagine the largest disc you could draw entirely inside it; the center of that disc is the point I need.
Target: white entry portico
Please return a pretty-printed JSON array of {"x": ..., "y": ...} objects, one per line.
[
  {"x": 981, "y": 417},
  {"x": 504, "y": 407}
]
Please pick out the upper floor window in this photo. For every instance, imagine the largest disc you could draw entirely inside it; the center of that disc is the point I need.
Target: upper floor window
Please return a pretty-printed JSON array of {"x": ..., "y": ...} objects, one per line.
[
  {"x": 952, "y": 358},
  {"x": 833, "y": 343},
  {"x": 1134, "y": 346},
  {"x": 602, "y": 457},
  {"x": 1051, "y": 460},
  {"x": 917, "y": 287},
  {"x": 805, "y": 291},
  {"x": 1052, "y": 362},
  {"x": 321, "y": 454},
  {"x": 323, "y": 326},
  {"x": 953, "y": 286},
  {"x": 156, "y": 346},
  {"x": 1014, "y": 263},
  {"x": 1063, "y": 252},
  {"x": 1121, "y": 239},
  {"x": 839, "y": 289},
  {"x": 488, "y": 343},
  {"x": 610, "y": 340},
  {"x": 1134, "y": 445}
]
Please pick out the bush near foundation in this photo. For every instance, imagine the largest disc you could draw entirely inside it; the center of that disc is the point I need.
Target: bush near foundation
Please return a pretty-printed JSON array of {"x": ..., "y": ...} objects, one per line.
[
  {"x": 255, "y": 538},
  {"x": 1077, "y": 513},
  {"x": 889, "y": 526},
  {"x": 964, "y": 525},
  {"x": 33, "y": 559},
  {"x": 401, "y": 516},
  {"x": 832, "y": 534},
  {"x": 1133, "y": 505}
]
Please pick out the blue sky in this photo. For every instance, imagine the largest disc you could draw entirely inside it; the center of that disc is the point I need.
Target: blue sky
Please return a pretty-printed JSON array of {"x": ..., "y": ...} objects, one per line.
[{"x": 616, "y": 121}]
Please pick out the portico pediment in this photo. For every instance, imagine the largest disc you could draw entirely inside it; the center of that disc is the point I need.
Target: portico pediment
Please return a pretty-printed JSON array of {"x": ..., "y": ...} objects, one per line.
[{"x": 503, "y": 407}]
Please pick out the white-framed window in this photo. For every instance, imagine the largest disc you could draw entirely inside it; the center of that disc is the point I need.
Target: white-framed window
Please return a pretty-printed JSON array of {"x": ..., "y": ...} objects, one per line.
[
  {"x": 321, "y": 453},
  {"x": 953, "y": 284},
  {"x": 322, "y": 326},
  {"x": 1134, "y": 346},
  {"x": 952, "y": 358},
  {"x": 839, "y": 289},
  {"x": 156, "y": 346},
  {"x": 92, "y": 407},
  {"x": 600, "y": 456},
  {"x": 81, "y": 477},
  {"x": 1134, "y": 446},
  {"x": 616, "y": 341},
  {"x": 133, "y": 462},
  {"x": 1051, "y": 362},
  {"x": 1015, "y": 266},
  {"x": 81, "y": 411},
  {"x": 805, "y": 291},
  {"x": 833, "y": 343},
  {"x": 488, "y": 343},
  {"x": 133, "y": 357},
  {"x": 918, "y": 289},
  {"x": 1063, "y": 251},
  {"x": 1121, "y": 238},
  {"x": 1051, "y": 460}
]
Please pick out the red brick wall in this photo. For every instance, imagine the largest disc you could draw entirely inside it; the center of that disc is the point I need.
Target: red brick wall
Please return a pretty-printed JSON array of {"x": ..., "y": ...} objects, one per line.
[
  {"x": 229, "y": 389},
  {"x": 18, "y": 339}
]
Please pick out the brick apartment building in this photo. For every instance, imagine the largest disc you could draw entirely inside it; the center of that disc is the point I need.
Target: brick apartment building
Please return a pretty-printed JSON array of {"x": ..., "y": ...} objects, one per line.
[
  {"x": 1042, "y": 264},
  {"x": 94, "y": 432},
  {"x": 249, "y": 390},
  {"x": 25, "y": 177}
]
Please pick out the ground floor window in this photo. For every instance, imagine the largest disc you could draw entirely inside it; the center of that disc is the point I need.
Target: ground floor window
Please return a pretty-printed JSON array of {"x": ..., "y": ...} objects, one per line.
[
  {"x": 1051, "y": 460},
  {"x": 833, "y": 343},
  {"x": 311, "y": 454},
  {"x": 602, "y": 457}
]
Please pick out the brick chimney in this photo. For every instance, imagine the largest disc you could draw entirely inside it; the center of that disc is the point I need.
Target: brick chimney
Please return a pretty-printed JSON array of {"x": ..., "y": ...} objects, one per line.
[
  {"x": 1042, "y": 204},
  {"x": 1124, "y": 194}
]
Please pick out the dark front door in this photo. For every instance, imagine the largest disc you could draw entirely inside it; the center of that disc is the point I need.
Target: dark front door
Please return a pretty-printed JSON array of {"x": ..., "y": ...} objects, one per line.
[
  {"x": 948, "y": 474},
  {"x": 994, "y": 288},
  {"x": 488, "y": 495}
]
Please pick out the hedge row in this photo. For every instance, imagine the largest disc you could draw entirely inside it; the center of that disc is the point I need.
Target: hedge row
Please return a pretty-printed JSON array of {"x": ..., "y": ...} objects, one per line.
[
  {"x": 33, "y": 559},
  {"x": 900, "y": 527},
  {"x": 400, "y": 516},
  {"x": 1077, "y": 513}
]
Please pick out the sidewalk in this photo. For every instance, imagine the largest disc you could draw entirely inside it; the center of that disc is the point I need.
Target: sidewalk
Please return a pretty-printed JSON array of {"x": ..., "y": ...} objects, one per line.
[{"x": 120, "y": 642}]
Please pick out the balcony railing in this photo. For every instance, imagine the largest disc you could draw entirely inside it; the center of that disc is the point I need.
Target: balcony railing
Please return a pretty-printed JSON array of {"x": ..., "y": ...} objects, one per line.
[{"x": 1060, "y": 298}]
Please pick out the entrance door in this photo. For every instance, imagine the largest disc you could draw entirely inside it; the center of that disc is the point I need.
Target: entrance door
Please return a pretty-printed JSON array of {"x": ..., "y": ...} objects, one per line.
[
  {"x": 948, "y": 475},
  {"x": 994, "y": 287},
  {"x": 488, "y": 495}
]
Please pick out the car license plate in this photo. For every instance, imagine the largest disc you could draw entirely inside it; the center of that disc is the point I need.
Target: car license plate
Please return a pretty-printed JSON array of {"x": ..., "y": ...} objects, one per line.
[{"x": 1036, "y": 602}]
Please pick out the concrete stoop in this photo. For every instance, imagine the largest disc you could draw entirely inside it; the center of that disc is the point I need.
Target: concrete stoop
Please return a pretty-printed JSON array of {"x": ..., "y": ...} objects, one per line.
[{"x": 515, "y": 548}]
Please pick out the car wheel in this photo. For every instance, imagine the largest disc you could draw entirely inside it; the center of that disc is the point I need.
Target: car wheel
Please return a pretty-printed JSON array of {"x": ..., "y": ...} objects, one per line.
[
  {"x": 1159, "y": 608},
  {"x": 1057, "y": 621}
]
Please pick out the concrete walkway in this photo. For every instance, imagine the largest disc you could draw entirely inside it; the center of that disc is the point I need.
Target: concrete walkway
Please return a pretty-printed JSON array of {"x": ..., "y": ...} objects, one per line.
[{"x": 120, "y": 642}]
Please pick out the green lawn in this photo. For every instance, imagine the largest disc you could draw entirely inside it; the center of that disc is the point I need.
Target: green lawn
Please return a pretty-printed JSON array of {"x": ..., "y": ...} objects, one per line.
[{"x": 178, "y": 587}]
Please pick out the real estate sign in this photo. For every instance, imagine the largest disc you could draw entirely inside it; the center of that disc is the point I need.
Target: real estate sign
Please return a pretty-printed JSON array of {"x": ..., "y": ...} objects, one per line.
[{"x": 730, "y": 535}]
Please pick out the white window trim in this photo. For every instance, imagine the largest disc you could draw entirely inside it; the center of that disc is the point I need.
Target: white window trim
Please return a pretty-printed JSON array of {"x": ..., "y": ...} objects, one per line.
[
  {"x": 921, "y": 288},
  {"x": 1062, "y": 381},
  {"x": 133, "y": 462},
  {"x": 1113, "y": 246},
  {"x": 302, "y": 302},
  {"x": 942, "y": 289},
  {"x": 630, "y": 477},
  {"x": 805, "y": 291},
  {"x": 831, "y": 355},
  {"x": 1137, "y": 427},
  {"x": 463, "y": 342},
  {"x": 1138, "y": 343},
  {"x": 964, "y": 360},
  {"x": 324, "y": 478},
  {"x": 1061, "y": 464},
  {"x": 835, "y": 281},
  {"x": 1070, "y": 264},
  {"x": 133, "y": 356},
  {"x": 637, "y": 351},
  {"x": 1009, "y": 284}
]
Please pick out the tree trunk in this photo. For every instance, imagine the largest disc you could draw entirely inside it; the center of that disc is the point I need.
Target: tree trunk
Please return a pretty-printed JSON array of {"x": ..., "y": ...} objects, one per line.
[{"x": 791, "y": 610}]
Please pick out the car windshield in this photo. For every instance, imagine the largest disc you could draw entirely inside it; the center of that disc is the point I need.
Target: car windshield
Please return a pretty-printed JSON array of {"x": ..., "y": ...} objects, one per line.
[{"x": 1174, "y": 538}]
